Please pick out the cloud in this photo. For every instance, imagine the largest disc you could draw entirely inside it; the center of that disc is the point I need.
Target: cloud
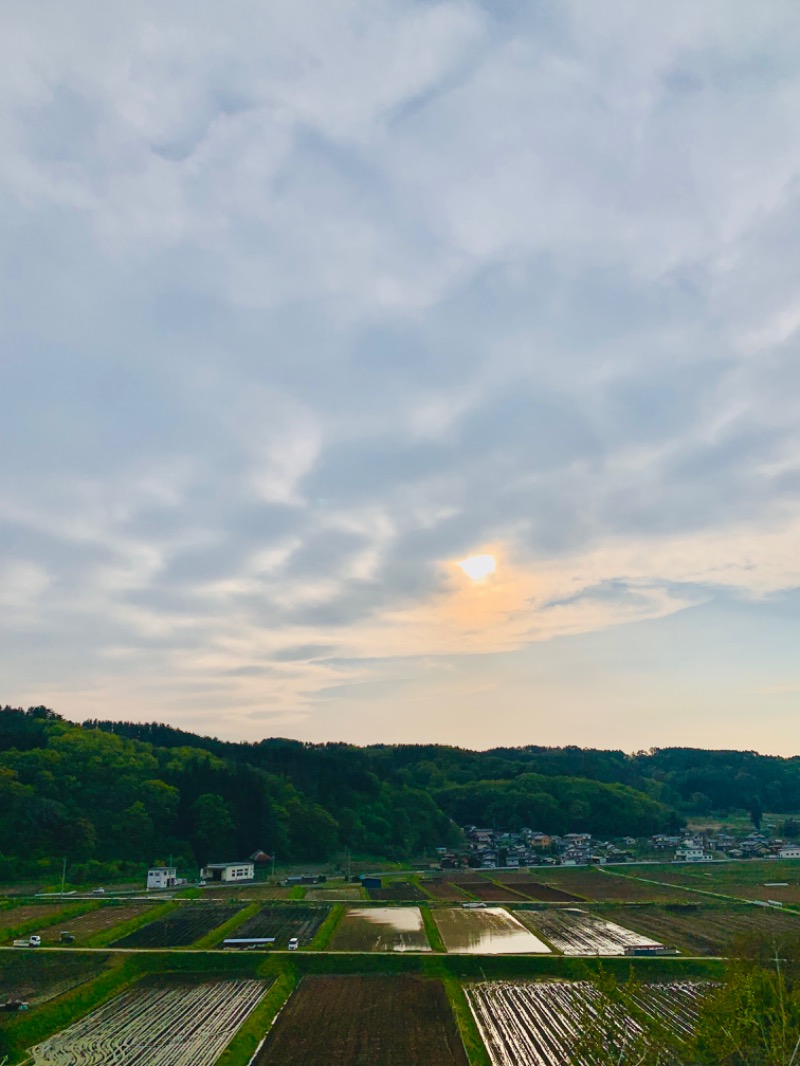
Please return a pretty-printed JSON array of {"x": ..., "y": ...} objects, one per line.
[{"x": 303, "y": 304}]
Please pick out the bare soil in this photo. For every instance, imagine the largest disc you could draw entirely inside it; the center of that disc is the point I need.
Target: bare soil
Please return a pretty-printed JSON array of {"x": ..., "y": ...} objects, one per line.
[{"x": 365, "y": 1021}]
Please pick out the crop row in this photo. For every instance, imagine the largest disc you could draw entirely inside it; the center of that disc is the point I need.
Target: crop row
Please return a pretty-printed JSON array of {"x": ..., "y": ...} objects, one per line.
[
  {"x": 283, "y": 923},
  {"x": 174, "y": 1026},
  {"x": 181, "y": 927},
  {"x": 543, "y": 1023},
  {"x": 575, "y": 932}
]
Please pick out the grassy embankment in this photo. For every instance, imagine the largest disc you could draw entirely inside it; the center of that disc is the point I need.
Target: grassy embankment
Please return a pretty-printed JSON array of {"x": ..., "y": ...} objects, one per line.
[
  {"x": 327, "y": 929},
  {"x": 432, "y": 930}
]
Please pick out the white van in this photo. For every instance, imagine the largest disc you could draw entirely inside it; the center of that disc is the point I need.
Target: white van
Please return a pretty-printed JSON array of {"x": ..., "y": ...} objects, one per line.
[{"x": 294, "y": 944}]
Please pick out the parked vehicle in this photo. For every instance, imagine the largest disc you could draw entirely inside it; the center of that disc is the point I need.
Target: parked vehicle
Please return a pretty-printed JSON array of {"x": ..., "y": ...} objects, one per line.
[
  {"x": 33, "y": 941},
  {"x": 294, "y": 944}
]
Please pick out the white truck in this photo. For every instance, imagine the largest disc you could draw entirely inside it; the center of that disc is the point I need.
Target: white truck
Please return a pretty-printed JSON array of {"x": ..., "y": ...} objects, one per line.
[{"x": 33, "y": 941}]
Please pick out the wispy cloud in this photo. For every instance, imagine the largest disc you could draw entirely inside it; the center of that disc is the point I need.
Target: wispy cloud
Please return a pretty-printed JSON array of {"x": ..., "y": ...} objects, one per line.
[{"x": 303, "y": 304}]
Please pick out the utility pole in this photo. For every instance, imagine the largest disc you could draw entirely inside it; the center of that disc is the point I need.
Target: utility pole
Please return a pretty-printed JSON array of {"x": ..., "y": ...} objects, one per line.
[
  {"x": 273, "y": 865},
  {"x": 63, "y": 874}
]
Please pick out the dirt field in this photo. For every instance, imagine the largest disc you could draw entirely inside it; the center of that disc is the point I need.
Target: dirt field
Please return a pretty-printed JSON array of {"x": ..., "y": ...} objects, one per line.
[
  {"x": 542, "y": 893},
  {"x": 485, "y": 890},
  {"x": 445, "y": 890},
  {"x": 283, "y": 923},
  {"x": 10, "y": 919},
  {"x": 180, "y": 928},
  {"x": 38, "y": 976},
  {"x": 397, "y": 890},
  {"x": 94, "y": 922},
  {"x": 590, "y": 883},
  {"x": 247, "y": 892},
  {"x": 700, "y": 930},
  {"x": 365, "y": 1021}
]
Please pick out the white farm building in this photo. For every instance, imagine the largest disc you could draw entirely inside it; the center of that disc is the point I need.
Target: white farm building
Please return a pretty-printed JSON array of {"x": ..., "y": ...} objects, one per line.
[
  {"x": 228, "y": 871},
  {"x": 162, "y": 877}
]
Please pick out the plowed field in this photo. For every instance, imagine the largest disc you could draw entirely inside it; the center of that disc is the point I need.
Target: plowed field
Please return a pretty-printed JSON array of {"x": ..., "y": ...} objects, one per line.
[
  {"x": 38, "y": 976},
  {"x": 94, "y": 922},
  {"x": 542, "y": 893},
  {"x": 541, "y": 1022},
  {"x": 445, "y": 890},
  {"x": 397, "y": 890},
  {"x": 699, "y": 930},
  {"x": 172, "y": 1026},
  {"x": 485, "y": 890},
  {"x": 180, "y": 928},
  {"x": 365, "y": 1021},
  {"x": 283, "y": 923}
]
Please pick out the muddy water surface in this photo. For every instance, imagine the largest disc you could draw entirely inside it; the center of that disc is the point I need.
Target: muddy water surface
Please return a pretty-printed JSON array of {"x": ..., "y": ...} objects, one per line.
[
  {"x": 381, "y": 929},
  {"x": 489, "y": 931}
]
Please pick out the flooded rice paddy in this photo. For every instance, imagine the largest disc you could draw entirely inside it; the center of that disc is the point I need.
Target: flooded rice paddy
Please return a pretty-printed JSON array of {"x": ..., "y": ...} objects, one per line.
[
  {"x": 381, "y": 929},
  {"x": 487, "y": 931}
]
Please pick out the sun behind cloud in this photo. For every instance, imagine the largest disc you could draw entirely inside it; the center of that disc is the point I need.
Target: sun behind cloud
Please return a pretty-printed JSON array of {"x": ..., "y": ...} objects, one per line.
[{"x": 478, "y": 567}]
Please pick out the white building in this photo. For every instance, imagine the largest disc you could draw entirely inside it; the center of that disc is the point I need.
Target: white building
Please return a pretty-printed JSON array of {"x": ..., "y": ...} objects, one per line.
[
  {"x": 789, "y": 851},
  {"x": 228, "y": 871},
  {"x": 692, "y": 852},
  {"x": 162, "y": 877}
]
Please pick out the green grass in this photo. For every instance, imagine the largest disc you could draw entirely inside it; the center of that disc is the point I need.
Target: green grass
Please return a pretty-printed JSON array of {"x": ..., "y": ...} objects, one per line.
[
  {"x": 432, "y": 929},
  {"x": 471, "y": 1038},
  {"x": 297, "y": 892},
  {"x": 327, "y": 929}
]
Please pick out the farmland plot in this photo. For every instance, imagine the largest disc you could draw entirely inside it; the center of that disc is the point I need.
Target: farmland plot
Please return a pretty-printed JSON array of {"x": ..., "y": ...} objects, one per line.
[
  {"x": 491, "y": 931},
  {"x": 541, "y": 893},
  {"x": 601, "y": 885},
  {"x": 540, "y": 1023},
  {"x": 365, "y": 1021},
  {"x": 181, "y": 927},
  {"x": 708, "y": 930},
  {"x": 336, "y": 893},
  {"x": 485, "y": 890},
  {"x": 189, "y": 1025},
  {"x": 94, "y": 922},
  {"x": 574, "y": 932},
  {"x": 381, "y": 929},
  {"x": 15, "y": 916},
  {"x": 397, "y": 890},
  {"x": 283, "y": 923},
  {"x": 444, "y": 890},
  {"x": 39, "y": 976}
]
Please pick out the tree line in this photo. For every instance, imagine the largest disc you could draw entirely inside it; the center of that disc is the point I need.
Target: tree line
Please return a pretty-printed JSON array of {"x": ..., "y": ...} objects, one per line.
[{"x": 109, "y": 790}]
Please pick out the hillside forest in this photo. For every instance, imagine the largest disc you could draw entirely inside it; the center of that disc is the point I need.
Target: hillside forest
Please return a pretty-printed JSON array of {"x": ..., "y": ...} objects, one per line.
[{"x": 129, "y": 792}]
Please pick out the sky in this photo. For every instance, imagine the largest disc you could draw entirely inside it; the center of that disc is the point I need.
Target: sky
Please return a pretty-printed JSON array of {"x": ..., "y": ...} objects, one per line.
[{"x": 303, "y": 304}]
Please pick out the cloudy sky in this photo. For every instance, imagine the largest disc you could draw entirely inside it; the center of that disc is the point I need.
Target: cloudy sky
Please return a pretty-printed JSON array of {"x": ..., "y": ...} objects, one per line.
[{"x": 305, "y": 303}]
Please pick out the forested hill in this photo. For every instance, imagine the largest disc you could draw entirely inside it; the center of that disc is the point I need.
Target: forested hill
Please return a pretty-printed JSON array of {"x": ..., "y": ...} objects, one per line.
[{"x": 122, "y": 790}]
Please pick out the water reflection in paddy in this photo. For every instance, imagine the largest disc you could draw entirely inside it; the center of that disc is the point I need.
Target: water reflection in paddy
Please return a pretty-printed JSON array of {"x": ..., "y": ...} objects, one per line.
[
  {"x": 491, "y": 931},
  {"x": 381, "y": 929}
]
